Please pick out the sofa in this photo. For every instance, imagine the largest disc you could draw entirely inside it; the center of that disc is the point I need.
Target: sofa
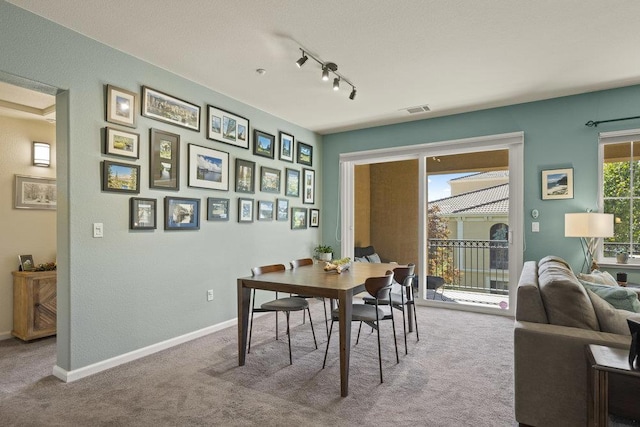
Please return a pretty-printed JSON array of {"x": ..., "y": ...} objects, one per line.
[{"x": 556, "y": 317}]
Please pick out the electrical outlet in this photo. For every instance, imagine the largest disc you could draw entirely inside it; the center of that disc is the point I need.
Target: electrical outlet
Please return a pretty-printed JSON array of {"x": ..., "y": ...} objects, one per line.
[{"x": 210, "y": 295}]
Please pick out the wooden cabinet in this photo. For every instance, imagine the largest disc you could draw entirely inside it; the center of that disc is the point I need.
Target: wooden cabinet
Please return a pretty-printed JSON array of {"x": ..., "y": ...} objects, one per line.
[{"x": 34, "y": 304}]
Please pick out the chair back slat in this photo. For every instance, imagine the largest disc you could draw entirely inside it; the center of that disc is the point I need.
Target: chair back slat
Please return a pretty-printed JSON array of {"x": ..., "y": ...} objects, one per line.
[
  {"x": 301, "y": 262},
  {"x": 404, "y": 275},
  {"x": 255, "y": 271},
  {"x": 379, "y": 287}
]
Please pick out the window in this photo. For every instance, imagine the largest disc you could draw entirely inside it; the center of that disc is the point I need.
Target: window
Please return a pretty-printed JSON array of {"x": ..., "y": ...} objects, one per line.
[{"x": 499, "y": 246}]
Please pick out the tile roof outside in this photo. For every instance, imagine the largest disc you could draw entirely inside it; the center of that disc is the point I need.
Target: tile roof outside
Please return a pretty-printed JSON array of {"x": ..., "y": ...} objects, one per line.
[{"x": 488, "y": 200}]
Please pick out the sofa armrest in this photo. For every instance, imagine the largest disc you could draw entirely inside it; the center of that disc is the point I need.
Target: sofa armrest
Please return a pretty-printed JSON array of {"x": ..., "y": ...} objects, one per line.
[{"x": 550, "y": 372}]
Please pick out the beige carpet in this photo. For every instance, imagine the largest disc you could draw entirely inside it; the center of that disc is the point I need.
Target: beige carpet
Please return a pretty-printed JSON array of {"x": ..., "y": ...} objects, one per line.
[{"x": 460, "y": 373}]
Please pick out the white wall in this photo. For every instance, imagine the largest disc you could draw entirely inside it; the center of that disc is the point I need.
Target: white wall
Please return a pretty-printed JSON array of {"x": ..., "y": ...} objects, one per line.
[{"x": 22, "y": 231}]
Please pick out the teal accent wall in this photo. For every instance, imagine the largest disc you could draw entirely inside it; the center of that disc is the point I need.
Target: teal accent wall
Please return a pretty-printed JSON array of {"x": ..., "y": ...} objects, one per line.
[
  {"x": 130, "y": 290},
  {"x": 555, "y": 136}
]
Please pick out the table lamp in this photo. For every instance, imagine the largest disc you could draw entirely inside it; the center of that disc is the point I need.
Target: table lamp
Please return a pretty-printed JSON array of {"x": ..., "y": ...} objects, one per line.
[{"x": 589, "y": 226}]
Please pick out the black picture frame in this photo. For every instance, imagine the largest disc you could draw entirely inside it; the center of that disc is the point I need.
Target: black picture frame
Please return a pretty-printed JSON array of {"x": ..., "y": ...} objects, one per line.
[
  {"x": 208, "y": 168},
  {"x": 287, "y": 145},
  {"x": 245, "y": 176},
  {"x": 263, "y": 144},
  {"x": 164, "y": 160},
  {"x": 298, "y": 218},
  {"x": 245, "y": 209},
  {"x": 26, "y": 262},
  {"x": 314, "y": 218},
  {"x": 217, "y": 209},
  {"x": 270, "y": 180},
  {"x": 265, "y": 210},
  {"x": 225, "y": 126},
  {"x": 181, "y": 213},
  {"x": 304, "y": 154},
  {"x": 167, "y": 108},
  {"x": 292, "y": 182},
  {"x": 122, "y": 106},
  {"x": 142, "y": 213},
  {"x": 308, "y": 186},
  {"x": 282, "y": 210},
  {"x": 120, "y": 177}
]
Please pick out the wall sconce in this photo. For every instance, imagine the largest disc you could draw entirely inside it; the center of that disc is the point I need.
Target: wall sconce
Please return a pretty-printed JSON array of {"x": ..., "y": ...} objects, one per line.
[{"x": 41, "y": 154}]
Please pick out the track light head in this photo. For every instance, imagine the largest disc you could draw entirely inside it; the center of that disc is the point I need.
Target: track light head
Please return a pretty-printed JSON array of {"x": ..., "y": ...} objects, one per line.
[
  {"x": 300, "y": 62},
  {"x": 336, "y": 83},
  {"x": 352, "y": 95},
  {"x": 325, "y": 74}
]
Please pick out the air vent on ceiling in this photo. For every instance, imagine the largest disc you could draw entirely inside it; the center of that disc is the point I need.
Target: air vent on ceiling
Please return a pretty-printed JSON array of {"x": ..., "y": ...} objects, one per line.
[{"x": 418, "y": 109}]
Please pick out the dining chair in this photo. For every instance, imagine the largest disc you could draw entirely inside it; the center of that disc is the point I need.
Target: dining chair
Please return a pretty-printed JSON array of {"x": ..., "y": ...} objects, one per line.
[
  {"x": 286, "y": 305},
  {"x": 371, "y": 314},
  {"x": 302, "y": 262}
]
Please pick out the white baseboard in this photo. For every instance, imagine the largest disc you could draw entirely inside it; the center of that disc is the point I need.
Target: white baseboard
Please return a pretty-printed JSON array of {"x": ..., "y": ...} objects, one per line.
[
  {"x": 76, "y": 374},
  {"x": 5, "y": 335}
]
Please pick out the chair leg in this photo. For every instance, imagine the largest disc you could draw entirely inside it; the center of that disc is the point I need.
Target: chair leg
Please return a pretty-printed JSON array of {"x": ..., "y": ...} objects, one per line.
[
  {"x": 277, "y": 320},
  {"x": 379, "y": 348},
  {"x": 253, "y": 300},
  {"x": 415, "y": 320},
  {"x": 327, "y": 350},
  {"x": 395, "y": 341},
  {"x": 312, "y": 331},
  {"x": 326, "y": 319},
  {"x": 359, "y": 328},
  {"x": 286, "y": 313},
  {"x": 404, "y": 327}
]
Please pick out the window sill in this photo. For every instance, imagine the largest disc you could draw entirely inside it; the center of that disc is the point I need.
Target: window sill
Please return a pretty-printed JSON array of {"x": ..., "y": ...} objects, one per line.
[{"x": 631, "y": 265}]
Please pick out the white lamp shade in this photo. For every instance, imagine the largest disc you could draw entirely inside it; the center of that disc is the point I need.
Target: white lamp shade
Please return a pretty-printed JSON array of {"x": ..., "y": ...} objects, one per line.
[
  {"x": 41, "y": 154},
  {"x": 588, "y": 224}
]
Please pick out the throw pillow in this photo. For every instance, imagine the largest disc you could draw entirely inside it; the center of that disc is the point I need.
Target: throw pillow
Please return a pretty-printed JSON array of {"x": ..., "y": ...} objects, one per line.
[
  {"x": 361, "y": 259},
  {"x": 599, "y": 278},
  {"x": 374, "y": 258},
  {"x": 610, "y": 319},
  {"x": 619, "y": 297}
]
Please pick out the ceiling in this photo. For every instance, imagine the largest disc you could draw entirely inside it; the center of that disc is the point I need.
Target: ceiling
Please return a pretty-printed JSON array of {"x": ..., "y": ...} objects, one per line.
[
  {"x": 454, "y": 56},
  {"x": 24, "y": 103}
]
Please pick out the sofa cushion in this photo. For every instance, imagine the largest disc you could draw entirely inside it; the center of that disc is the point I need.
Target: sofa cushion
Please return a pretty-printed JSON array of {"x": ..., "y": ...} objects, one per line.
[
  {"x": 529, "y": 307},
  {"x": 565, "y": 300},
  {"x": 618, "y": 296},
  {"x": 361, "y": 259},
  {"x": 550, "y": 258},
  {"x": 375, "y": 258},
  {"x": 599, "y": 278},
  {"x": 611, "y": 319}
]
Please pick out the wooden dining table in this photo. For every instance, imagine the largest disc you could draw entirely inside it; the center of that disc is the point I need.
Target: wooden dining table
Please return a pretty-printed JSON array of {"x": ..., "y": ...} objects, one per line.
[{"x": 312, "y": 280}]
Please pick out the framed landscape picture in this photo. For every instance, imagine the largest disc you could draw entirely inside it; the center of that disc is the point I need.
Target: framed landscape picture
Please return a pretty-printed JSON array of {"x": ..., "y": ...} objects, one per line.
[
  {"x": 208, "y": 168},
  {"x": 282, "y": 210},
  {"x": 557, "y": 184},
  {"x": 181, "y": 213},
  {"x": 217, "y": 209},
  {"x": 298, "y": 218},
  {"x": 314, "y": 218},
  {"x": 269, "y": 180},
  {"x": 169, "y": 109},
  {"x": 164, "y": 160},
  {"x": 227, "y": 127},
  {"x": 265, "y": 210},
  {"x": 121, "y": 143},
  {"x": 305, "y": 154},
  {"x": 122, "y": 106},
  {"x": 32, "y": 192},
  {"x": 245, "y": 176},
  {"x": 245, "y": 210},
  {"x": 292, "y": 183},
  {"x": 263, "y": 144},
  {"x": 286, "y": 147},
  {"x": 309, "y": 180},
  {"x": 120, "y": 177},
  {"x": 142, "y": 214}
]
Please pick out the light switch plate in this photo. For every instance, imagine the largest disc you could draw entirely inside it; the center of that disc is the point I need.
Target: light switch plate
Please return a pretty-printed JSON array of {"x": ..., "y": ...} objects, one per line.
[
  {"x": 535, "y": 227},
  {"x": 98, "y": 229}
]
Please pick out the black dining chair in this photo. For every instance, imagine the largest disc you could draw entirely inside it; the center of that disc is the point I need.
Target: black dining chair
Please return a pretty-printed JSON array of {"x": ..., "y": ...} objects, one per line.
[
  {"x": 302, "y": 262},
  {"x": 371, "y": 314},
  {"x": 286, "y": 305}
]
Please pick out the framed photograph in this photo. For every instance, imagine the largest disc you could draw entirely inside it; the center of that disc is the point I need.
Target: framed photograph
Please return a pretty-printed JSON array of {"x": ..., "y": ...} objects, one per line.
[
  {"x": 309, "y": 181},
  {"x": 142, "y": 214},
  {"x": 32, "y": 192},
  {"x": 121, "y": 143},
  {"x": 265, "y": 211},
  {"x": 269, "y": 180},
  {"x": 26, "y": 262},
  {"x": 164, "y": 160},
  {"x": 217, "y": 209},
  {"x": 245, "y": 176},
  {"x": 181, "y": 213},
  {"x": 120, "y": 177},
  {"x": 245, "y": 210},
  {"x": 263, "y": 144},
  {"x": 314, "y": 218},
  {"x": 122, "y": 106},
  {"x": 227, "y": 127},
  {"x": 169, "y": 109},
  {"x": 557, "y": 184},
  {"x": 286, "y": 146},
  {"x": 292, "y": 183},
  {"x": 282, "y": 210},
  {"x": 298, "y": 218},
  {"x": 305, "y": 154},
  {"x": 208, "y": 168}
]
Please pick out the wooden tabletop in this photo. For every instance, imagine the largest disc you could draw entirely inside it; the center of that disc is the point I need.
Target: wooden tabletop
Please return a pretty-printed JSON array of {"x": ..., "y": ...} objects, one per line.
[{"x": 612, "y": 360}]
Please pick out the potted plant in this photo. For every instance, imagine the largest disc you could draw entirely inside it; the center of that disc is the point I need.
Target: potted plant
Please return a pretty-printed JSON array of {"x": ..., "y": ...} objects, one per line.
[
  {"x": 622, "y": 257},
  {"x": 323, "y": 252}
]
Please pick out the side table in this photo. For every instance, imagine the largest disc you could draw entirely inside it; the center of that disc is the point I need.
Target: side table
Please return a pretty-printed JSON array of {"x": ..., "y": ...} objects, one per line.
[{"x": 603, "y": 360}]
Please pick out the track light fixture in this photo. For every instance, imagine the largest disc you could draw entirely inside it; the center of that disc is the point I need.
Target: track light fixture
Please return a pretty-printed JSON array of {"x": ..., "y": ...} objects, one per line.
[{"x": 327, "y": 68}]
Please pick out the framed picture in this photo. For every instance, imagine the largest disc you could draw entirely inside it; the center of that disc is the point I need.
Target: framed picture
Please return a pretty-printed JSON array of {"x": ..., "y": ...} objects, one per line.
[
  {"x": 245, "y": 176},
  {"x": 557, "y": 184},
  {"x": 245, "y": 210},
  {"x": 26, "y": 262},
  {"x": 309, "y": 180},
  {"x": 122, "y": 106},
  {"x": 164, "y": 160},
  {"x": 217, "y": 209},
  {"x": 314, "y": 218},
  {"x": 181, "y": 213},
  {"x": 305, "y": 154},
  {"x": 32, "y": 192},
  {"x": 263, "y": 144},
  {"x": 265, "y": 211},
  {"x": 282, "y": 210},
  {"x": 286, "y": 147},
  {"x": 227, "y": 127},
  {"x": 169, "y": 109},
  {"x": 269, "y": 180},
  {"x": 121, "y": 143},
  {"x": 120, "y": 177},
  {"x": 208, "y": 168},
  {"x": 292, "y": 183},
  {"x": 298, "y": 218},
  {"x": 142, "y": 214}
]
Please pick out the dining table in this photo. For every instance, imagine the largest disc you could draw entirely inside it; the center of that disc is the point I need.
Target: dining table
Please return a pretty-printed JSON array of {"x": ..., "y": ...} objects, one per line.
[{"x": 315, "y": 281}]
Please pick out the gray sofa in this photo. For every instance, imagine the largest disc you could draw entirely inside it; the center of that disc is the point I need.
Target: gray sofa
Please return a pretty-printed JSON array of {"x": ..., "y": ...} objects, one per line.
[{"x": 556, "y": 317}]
